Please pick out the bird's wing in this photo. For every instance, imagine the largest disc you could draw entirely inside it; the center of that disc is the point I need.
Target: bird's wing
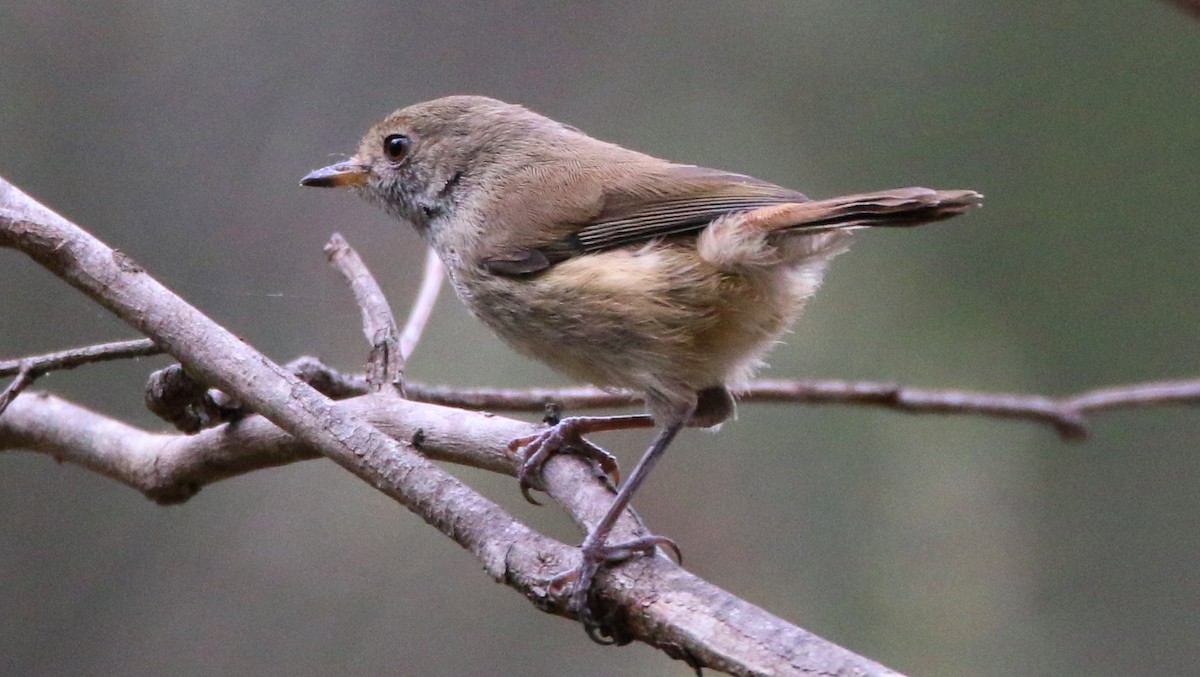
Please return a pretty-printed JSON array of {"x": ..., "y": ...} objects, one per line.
[
  {"x": 686, "y": 199},
  {"x": 699, "y": 196}
]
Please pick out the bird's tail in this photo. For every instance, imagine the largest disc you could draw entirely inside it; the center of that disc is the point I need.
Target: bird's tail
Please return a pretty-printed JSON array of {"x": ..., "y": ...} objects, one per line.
[{"x": 889, "y": 208}]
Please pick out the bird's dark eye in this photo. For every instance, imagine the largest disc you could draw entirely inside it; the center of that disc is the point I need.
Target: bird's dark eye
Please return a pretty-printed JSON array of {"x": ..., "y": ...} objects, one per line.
[{"x": 395, "y": 146}]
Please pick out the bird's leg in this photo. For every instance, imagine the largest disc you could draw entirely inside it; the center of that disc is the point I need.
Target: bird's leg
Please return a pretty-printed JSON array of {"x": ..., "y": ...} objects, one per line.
[
  {"x": 597, "y": 553},
  {"x": 712, "y": 405},
  {"x": 566, "y": 437}
]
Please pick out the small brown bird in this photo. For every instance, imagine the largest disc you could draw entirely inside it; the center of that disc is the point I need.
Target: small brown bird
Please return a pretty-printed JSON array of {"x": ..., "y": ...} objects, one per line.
[{"x": 612, "y": 266}]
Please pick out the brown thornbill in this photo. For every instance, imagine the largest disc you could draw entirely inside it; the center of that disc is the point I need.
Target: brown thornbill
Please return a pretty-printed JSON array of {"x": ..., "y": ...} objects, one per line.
[{"x": 612, "y": 266}]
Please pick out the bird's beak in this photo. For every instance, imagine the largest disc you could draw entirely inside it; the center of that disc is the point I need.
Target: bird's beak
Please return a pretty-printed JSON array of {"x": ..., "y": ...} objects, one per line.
[{"x": 341, "y": 175}]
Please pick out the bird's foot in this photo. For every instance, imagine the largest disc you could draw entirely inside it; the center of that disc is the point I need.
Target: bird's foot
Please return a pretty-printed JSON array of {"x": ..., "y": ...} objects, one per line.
[
  {"x": 582, "y": 601},
  {"x": 564, "y": 437}
]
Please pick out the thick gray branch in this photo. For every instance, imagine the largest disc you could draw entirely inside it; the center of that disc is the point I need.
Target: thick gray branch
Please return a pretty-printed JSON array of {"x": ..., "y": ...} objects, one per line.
[{"x": 661, "y": 604}]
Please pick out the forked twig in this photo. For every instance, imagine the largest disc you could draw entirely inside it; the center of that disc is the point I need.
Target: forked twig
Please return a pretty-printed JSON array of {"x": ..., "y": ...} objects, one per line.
[
  {"x": 28, "y": 369},
  {"x": 74, "y": 357}
]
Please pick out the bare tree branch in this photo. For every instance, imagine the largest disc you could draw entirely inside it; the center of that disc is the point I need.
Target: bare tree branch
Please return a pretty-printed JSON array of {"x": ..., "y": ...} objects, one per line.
[
  {"x": 427, "y": 295},
  {"x": 655, "y": 601},
  {"x": 390, "y": 347},
  {"x": 74, "y": 357},
  {"x": 172, "y": 468},
  {"x": 1066, "y": 414},
  {"x": 28, "y": 369},
  {"x": 24, "y": 379},
  {"x": 1137, "y": 395},
  {"x": 386, "y": 362}
]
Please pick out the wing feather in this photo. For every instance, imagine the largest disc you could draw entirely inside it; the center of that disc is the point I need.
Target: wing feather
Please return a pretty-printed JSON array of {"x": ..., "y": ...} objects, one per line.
[
  {"x": 677, "y": 201},
  {"x": 693, "y": 198}
]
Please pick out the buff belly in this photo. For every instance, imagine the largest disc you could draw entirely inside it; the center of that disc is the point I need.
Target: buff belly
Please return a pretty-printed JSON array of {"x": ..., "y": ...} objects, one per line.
[{"x": 664, "y": 320}]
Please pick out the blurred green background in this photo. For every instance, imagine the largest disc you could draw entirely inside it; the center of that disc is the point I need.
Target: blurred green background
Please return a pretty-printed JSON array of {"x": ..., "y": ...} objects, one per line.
[{"x": 938, "y": 546}]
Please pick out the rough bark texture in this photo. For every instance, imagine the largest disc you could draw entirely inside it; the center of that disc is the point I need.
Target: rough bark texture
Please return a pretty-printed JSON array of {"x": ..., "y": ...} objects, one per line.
[{"x": 655, "y": 601}]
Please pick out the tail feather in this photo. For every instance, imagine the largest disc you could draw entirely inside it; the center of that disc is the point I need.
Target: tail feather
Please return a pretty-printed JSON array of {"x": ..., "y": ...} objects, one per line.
[{"x": 902, "y": 207}]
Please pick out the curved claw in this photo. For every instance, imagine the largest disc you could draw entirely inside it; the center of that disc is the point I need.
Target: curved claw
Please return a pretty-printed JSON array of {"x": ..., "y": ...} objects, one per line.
[
  {"x": 538, "y": 449},
  {"x": 663, "y": 542},
  {"x": 606, "y": 462},
  {"x": 581, "y": 600},
  {"x": 598, "y": 633},
  {"x": 525, "y": 489},
  {"x": 527, "y": 481},
  {"x": 561, "y": 438}
]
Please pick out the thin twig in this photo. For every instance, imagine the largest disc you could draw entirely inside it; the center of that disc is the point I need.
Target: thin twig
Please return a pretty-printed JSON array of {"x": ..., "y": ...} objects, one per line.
[
  {"x": 328, "y": 381},
  {"x": 1137, "y": 395},
  {"x": 74, "y": 357},
  {"x": 418, "y": 317},
  {"x": 29, "y": 369},
  {"x": 1066, "y": 414},
  {"x": 521, "y": 399},
  {"x": 386, "y": 361},
  {"x": 24, "y": 379},
  {"x": 1067, "y": 421}
]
